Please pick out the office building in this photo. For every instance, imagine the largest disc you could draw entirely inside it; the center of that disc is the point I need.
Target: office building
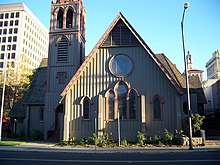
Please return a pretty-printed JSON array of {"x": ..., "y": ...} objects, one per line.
[{"x": 23, "y": 38}]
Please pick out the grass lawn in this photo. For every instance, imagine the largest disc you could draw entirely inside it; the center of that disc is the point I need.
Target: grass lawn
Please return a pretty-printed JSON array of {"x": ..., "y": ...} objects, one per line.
[{"x": 10, "y": 143}]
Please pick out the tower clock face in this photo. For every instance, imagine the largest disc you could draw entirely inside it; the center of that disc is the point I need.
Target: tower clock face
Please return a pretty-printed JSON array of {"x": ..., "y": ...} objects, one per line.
[{"x": 120, "y": 65}]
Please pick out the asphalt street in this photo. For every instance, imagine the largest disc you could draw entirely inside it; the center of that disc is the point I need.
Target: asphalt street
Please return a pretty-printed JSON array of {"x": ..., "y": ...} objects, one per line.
[{"x": 58, "y": 158}]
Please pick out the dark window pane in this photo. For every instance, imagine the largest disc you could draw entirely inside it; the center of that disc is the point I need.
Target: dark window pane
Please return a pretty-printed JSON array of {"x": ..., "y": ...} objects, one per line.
[
  {"x": 86, "y": 108},
  {"x": 17, "y": 15},
  {"x": 16, "y": 22},
  {"x": 11, "y": 23},
  {"x": 5, "y": 31},
  {"x": 132, "y": 105},
  {"x": 15, "y": 39},
  {"x": 111, "y": 104},
  {"x": 12, "y": 15},
  {"x": 157, "y": 109},
  {"x": 69, "y": 19},
  {"x": 6, "y": 15},
  {"x": 9, "y": 39},
  {"x": 15, "y": 30},
  {"x": 60, "y": 19},
  {"x": 6, "y": 23},
  {"x": 13, "y": 47},
  {"x": 3, "y": 48},
  {"x": 122, "y": 105},
  {"x": 13, "y": 56},
  {"x": 10, "y": 31}
]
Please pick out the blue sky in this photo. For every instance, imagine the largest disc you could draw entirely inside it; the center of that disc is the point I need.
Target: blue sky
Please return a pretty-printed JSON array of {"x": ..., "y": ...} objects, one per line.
[{"x": 157, "y": 22}]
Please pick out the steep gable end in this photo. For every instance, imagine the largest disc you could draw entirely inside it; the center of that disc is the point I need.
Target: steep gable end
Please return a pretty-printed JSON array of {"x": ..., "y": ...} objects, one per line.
[
  {"x": 121, "y": 33},
  {"x": 120, "y": 36}
]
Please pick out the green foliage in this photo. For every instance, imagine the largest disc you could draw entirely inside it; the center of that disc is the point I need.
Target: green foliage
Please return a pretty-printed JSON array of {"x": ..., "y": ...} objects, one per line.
[
  {"x": 157, "y": 140},
  {"x": 124, "y": 142},
  {"x": 103, "y": 140},
  {"x": 172, "y": 138},
  {"x": 141, "y": 139},
  {"x": 84, "y": 142},
  {"x": 63, "y": 143},
  {"x": 72, "y": 141},
  {"x": 196, "y": 121},
  {"x": 168, "y": 137}
]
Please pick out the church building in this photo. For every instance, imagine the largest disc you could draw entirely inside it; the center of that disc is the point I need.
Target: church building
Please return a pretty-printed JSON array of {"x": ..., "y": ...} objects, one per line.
[
  {"x": 121, "y": 80},
  {"x": 121, "y": 87}
]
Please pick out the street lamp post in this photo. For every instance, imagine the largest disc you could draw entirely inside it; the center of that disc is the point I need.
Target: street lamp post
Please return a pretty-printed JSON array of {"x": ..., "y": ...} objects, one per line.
[
  {"x": 186, "y": 5},
  {"x": 3, "y": 96}
]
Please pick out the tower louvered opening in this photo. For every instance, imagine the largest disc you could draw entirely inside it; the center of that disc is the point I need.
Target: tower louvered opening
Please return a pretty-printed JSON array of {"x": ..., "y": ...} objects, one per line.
[
  {"x": 62, "y": 55},
  {"x": 120, "y": 36}
]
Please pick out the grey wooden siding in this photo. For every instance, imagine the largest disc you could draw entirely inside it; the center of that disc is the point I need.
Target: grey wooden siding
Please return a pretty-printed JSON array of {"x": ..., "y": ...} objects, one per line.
[
  {"x": 35, "y": 123},
  {"x": 146, "y": 77}
]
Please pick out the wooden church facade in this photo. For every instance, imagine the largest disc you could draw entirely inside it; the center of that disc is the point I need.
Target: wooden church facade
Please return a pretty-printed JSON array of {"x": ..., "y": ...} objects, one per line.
[{"x": 121, "y": 79}]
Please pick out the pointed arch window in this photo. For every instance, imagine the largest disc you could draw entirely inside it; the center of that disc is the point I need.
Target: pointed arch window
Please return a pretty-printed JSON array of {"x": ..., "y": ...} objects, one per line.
[
  {"x": 86, "y": 108},
  {"x": 69, "y": 19},
  {"x": 111, "y": 105},
  {"x": 60, "y": 19},
  {"x": 132, "y": 104},
  {"x": 62, "y": 53},
  {"x": 122, "y": 103},
  {"x": 157, "y": 108}
]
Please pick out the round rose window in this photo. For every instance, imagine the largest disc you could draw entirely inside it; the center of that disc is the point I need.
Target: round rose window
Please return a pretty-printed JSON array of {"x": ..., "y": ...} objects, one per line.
[{"x": 120, "y": 65}]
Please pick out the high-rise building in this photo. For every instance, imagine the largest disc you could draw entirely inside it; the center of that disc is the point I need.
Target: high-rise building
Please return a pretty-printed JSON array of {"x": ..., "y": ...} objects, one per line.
[
  {"x": 23, "y": 38},
  {"x": 213, "y": 66}
]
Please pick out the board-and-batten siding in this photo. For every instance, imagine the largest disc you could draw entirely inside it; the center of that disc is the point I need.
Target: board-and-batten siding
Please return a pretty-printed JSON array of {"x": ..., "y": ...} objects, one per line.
[
  {"x": 35, "y": 123},
  {"x": 146, "y": 77}
]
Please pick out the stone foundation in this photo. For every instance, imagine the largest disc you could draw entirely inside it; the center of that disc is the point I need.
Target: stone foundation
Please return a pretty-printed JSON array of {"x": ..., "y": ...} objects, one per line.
[{"x": 196, "y": 141}]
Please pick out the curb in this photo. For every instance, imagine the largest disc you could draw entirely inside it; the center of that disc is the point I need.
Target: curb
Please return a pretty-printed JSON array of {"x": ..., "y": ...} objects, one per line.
[{"x": 52, "y": 148}]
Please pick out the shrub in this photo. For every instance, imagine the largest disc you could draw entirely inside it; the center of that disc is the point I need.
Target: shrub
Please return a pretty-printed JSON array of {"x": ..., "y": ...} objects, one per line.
[
  {"x": 196, "y": 121},
  {"x": 168, "y": 137},
  {"x": 172, "y": 138},
  {"x": 124, "y": 142},
  {"x": 63, "y": 143},
  {"x": 141, "y": 139},
  {"x": 102, "y": 140},
  {"x": 157, "y": 140},
  {"x": 72, "y": 141}
]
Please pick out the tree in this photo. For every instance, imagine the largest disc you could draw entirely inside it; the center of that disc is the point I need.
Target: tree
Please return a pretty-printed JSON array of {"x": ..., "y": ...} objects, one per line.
[{"x": 18, "y": 80}]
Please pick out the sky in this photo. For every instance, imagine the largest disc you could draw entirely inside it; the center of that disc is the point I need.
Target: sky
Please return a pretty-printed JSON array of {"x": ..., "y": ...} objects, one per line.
[{"x": 156, "y": 21}]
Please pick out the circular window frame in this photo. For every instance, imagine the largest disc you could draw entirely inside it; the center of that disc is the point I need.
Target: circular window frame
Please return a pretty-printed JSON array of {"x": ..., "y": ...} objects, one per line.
[{"x": 115, "y": 74}]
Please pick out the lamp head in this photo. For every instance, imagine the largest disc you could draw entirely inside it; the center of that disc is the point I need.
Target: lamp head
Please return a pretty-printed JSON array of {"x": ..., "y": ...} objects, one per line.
[{"x": 186, "y": 5}]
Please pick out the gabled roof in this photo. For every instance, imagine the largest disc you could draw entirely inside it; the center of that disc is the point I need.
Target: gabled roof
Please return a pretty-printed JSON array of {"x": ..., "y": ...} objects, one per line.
[
  {"x": 35, "y": 94},
  {"x": 173, "y": 71},
  {"x": 118, "y": 18},
  {"x": 194, "y": 81}
]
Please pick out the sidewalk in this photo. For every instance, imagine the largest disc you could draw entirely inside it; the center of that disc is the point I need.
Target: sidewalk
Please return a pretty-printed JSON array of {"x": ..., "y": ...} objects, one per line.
[{"x": 51, "y": 147}]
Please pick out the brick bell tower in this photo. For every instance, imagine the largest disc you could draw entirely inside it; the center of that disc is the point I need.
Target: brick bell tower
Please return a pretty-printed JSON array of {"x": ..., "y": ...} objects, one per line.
[{"x": 66, "y": 54}]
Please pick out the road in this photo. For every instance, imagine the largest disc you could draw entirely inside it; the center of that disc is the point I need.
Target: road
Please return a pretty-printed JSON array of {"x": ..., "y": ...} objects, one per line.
[{"x": 61, "y": 158}]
